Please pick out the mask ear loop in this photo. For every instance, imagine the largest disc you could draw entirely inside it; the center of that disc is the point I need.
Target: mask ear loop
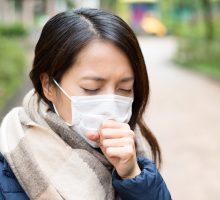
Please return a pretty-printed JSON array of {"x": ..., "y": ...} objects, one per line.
[{"x": 57, "y": 84}]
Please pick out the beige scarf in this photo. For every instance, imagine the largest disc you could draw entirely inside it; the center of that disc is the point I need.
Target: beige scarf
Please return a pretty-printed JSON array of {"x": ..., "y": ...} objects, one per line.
[{"x": 50, "y": 160}]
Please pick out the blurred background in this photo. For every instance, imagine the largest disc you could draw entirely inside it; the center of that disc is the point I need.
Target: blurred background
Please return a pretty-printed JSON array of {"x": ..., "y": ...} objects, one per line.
[{"x": 180, "y": 40}]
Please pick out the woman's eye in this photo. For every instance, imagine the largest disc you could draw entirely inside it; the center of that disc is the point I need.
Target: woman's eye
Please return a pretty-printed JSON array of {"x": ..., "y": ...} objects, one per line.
[
  {"x": 91, "y": 91},
  {"x": 127, "y": 91}
]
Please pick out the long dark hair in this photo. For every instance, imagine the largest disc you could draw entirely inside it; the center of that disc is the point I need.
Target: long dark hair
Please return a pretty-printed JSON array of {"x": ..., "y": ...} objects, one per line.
[{"x": 67, "y": 33}]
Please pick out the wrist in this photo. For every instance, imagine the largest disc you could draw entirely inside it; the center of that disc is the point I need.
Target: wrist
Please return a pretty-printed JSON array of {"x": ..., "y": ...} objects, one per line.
[{"x": 135, "y": 172}]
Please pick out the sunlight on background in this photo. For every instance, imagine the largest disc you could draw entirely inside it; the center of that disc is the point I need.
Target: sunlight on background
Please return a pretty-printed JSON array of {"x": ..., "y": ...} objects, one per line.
[{"x": 180, "y": 40}]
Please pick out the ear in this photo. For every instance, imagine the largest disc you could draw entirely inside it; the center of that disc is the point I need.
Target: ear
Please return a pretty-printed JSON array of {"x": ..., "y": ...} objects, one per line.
[{"x": 48, "y": 89}]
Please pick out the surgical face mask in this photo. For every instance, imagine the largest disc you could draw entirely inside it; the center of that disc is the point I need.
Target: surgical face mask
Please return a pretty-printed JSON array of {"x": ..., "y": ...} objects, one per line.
[{"x": 88, "y": 112}]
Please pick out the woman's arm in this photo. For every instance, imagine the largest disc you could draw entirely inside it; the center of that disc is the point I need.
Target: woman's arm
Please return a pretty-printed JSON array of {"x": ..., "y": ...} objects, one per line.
[
  {"x": 148, "y": 185},
  {"x": 133, "y": 178},
  {"x": 9, "y": 185}
]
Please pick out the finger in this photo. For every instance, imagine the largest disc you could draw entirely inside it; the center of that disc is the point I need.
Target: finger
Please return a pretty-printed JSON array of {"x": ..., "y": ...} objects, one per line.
[
  {"x": 114, "y": 124},
  {"x": 121, "y": 142},
  {"x": 94, "y": 136},
  {"x": 121, "y": 152},
  {"x": 109, "y": 133}
]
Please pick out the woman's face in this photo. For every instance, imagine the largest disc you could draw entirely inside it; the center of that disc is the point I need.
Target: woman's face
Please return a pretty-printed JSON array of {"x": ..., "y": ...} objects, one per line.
[{"x": 101, "y": 68}]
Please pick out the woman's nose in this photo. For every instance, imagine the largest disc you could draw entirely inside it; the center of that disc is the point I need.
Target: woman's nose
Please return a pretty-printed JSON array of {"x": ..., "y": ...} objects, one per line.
[{"x": 109, "y": 90}]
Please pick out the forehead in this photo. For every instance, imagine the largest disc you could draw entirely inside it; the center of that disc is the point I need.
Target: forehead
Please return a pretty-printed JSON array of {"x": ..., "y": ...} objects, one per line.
[{"x": 102, "y": 58}]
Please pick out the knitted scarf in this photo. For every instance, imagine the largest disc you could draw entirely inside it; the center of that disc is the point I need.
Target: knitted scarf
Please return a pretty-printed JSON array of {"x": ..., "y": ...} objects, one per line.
[{"x": 50, "y": 160}]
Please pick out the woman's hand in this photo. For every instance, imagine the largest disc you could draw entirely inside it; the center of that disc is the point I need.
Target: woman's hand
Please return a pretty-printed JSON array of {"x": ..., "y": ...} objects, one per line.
[{"x": 117, "y": 142}]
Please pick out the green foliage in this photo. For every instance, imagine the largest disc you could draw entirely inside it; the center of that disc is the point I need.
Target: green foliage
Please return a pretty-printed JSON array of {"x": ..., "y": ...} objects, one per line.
[
  {"x": 70, "y": 4},
  {"x": 198, "y": 28},
  {"x": 109, "y": 5},
  {"x": 13, "y": 30},
  {"x": 12, "y": 65},
  {"x": 190, "y": 18},
  {"x": 200, "y": 55}
]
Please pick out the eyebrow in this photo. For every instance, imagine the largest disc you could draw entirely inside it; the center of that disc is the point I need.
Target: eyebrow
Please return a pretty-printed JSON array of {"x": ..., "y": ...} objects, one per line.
[
  {"x": 96, "y": 78},
  {"x": 127, "y": 79}
]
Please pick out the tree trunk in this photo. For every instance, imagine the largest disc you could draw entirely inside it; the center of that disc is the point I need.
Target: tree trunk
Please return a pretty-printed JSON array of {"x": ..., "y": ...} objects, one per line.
[{"x": 208, "y": 17}]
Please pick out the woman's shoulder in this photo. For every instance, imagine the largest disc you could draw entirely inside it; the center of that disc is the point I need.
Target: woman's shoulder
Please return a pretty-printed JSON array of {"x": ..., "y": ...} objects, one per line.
[{"x": 10, "y": 189}]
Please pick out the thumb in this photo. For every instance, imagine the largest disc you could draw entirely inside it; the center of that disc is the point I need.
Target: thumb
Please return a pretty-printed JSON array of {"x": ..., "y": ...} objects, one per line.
[{"x": 94, "y": 136}]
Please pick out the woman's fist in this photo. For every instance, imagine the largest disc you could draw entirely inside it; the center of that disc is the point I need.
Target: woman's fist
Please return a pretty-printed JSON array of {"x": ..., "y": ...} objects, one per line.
[{"x": 117, "y": 142}]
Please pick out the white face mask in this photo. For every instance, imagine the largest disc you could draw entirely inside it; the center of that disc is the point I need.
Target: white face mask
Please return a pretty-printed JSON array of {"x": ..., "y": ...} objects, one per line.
[{"x": 88, "y": 112}]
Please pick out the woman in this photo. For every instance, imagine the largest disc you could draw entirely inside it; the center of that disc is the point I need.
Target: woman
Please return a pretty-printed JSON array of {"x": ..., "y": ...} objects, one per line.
[{"x": 80, "y": 133}]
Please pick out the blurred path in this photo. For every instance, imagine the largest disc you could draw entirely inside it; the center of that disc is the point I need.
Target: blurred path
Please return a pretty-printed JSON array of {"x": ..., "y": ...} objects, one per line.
[{"x": 184, "y": 114}]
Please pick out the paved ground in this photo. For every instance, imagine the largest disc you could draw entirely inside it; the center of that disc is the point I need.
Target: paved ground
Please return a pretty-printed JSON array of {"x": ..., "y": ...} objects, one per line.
[{"x": 184, "y": 114}]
